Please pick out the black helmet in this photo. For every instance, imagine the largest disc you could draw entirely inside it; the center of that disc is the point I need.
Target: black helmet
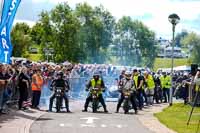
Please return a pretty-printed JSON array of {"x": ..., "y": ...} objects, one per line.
[{"x": 60, "y": 74}]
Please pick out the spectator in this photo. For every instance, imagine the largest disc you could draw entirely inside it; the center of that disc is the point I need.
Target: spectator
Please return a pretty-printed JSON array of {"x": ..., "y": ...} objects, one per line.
[
  {"x": 4, "y": 78},
  {"x": 36, "y": 85},
  {"x": 23, "y": 84}
]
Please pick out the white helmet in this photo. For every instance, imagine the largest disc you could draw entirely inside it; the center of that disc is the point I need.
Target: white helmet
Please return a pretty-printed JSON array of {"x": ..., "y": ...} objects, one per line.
[{"x": 128, "y": 74}]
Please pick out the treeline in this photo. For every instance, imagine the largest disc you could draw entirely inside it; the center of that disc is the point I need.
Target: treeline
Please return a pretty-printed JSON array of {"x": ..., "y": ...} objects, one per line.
[{"x": 87, "y": 35}]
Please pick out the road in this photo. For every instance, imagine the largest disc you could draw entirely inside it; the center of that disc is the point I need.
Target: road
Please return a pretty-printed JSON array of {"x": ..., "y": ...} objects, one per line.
[{"x": 88, "y": 122}]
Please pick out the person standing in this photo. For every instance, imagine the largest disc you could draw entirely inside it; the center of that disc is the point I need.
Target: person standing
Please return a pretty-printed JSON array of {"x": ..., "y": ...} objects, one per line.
[
  {"x": 166, "y": 85},
  {"x": 4, "y": 79},
  {"x": 36, "y": 85},
  {"x": 138, "y": 80},
  {"x": 23, "y": 85},
  {"x": 150, "y": 87}
]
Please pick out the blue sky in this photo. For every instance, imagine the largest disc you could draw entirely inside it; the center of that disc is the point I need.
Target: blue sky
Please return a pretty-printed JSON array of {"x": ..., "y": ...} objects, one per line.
[{"x": 153, "y": 13}]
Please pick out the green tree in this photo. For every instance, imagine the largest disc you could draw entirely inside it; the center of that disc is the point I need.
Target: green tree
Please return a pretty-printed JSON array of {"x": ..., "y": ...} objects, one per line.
[
  {"x": 96, "y": 32},
  {"x": 136, "y": 42},
  {"x": 21, "y": 40},
  {"x": 179, "y": 36},
  {"x": 192, "y": 41},
  {"x": 66, "y": 26}
]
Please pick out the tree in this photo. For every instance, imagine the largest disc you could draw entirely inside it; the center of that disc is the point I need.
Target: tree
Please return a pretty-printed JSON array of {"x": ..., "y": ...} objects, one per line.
[
  {"x": 66, "y": 25},
  {"x": 179, "y": 36},
  {"x": 192, "y": 41},
  {"x": 36, "y": 33},
  {"x": 96, "y": 32},
  {"x": 136, "y": 41},
  {"x": 21, "y": 40}
]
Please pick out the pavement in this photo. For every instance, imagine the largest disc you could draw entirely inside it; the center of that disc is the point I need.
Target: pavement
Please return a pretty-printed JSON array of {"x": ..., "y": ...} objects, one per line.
[
  {"x": 146, "y": 117},
  {"x": 18, "y": 121},
  {"x": 34, "y": 121}
]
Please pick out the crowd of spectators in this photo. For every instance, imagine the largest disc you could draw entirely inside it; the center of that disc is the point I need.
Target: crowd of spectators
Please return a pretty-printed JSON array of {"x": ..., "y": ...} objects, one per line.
[{"x": 16, "y": 79}]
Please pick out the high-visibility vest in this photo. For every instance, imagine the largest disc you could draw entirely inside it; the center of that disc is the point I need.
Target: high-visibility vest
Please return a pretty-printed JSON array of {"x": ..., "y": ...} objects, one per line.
[
  {"x": 197, "y": 88},
  {"x": 165, "y": 82},
  {"x": 150, "y": 82},
  {"x": 39, "y": 82},
  {"x": 135, "y": 79},
  {"x": 94, "y": 83}
]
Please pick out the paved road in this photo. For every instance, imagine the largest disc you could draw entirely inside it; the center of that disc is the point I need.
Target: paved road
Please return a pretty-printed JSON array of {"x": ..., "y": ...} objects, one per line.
[{"x": 79, "y": 122}]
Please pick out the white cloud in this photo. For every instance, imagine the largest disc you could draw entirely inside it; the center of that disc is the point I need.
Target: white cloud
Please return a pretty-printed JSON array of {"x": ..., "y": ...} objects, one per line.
[{"x": 158, "y": 9}]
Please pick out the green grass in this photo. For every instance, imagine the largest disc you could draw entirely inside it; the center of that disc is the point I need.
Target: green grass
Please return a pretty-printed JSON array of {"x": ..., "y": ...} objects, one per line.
[
  {"x": 34, "y": 57},
  {"x": 176, "y": 117},
  {"x": 166, "y": 63}
]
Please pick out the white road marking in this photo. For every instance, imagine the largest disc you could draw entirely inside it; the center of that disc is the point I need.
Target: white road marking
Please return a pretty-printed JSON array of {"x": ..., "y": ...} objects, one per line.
[
  {"x": 88, "y": 125},
  {"x": 62, "y": 125},
  {"x": 119, "y": 126},
  {"x": 103, "y": 125},
  {"x": 90, "y": 120}
]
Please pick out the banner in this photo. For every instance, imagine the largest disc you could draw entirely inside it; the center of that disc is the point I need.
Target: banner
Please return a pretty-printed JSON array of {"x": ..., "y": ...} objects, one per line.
[
  {"x": 8, "y": 14},
  {"x": 5, "y": 10}
]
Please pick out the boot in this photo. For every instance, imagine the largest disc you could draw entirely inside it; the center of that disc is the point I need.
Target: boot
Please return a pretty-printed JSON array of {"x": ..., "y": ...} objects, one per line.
[
  {"x": 105, "y": 110},
  {"x": 118, "y": 106},
  {"x": 85, "y": 109}
]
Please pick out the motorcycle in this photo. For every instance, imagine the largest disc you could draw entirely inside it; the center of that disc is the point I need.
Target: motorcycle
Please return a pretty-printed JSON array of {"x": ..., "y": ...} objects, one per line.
[
  {"x": 127, "y": 102},
  {"x": 95, "y": 99},
  {"x": 59, "y": 98}
]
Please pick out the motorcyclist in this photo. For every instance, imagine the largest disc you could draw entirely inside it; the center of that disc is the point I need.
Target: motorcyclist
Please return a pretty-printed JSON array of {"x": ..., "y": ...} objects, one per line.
[
  {"x": 127, "y": 84},
  {"x": 60, "y": 82},
  {"x": 95, "y": 82}
]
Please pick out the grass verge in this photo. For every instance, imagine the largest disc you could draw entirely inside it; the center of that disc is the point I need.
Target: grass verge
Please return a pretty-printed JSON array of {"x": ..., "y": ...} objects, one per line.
[
  {"x": 176, "y": 117},
  {"x": 166, "y": 63}
]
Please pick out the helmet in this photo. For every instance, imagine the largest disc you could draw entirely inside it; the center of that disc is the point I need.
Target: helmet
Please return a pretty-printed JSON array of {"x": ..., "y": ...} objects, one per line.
[
  {"x": 60, "y": 73},
  {"x": 128, "y": 74},
  {"x": 185, "y": 74},
  {"x": 96, "y": 73}
]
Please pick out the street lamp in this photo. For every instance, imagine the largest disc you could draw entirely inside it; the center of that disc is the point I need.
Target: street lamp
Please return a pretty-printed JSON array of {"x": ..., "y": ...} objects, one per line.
[{"x": 174, "y": 20}]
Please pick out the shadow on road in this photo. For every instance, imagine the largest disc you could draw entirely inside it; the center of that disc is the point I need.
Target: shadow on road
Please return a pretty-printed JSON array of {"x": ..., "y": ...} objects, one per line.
[
  {"x": 15, "y": 114},
  {"x": 44, "y": 119}
]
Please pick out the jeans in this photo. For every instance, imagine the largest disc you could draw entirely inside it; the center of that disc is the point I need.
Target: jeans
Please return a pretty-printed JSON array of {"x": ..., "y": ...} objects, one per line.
[
  {"x": 139, "y": 96},
  {"x": 36, "y": 98},
  {"x": 150, "y": 94},
  {"x": 166, "y": 94}
]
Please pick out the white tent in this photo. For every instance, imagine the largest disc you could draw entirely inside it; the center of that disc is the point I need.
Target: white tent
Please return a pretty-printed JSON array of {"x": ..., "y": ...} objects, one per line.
[
  {"x": 182, "y": 68},
  {"x": 178, "y": 68}
]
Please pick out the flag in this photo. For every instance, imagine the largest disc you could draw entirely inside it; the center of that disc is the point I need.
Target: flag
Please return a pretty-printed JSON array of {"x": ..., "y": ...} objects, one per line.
[{"x": 8, "y": 14}]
